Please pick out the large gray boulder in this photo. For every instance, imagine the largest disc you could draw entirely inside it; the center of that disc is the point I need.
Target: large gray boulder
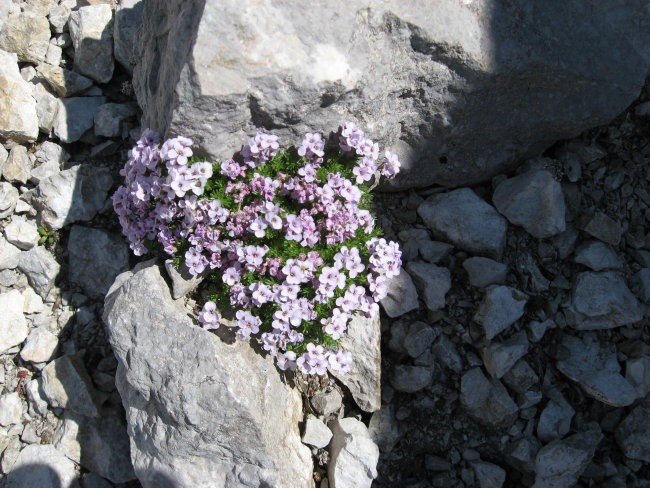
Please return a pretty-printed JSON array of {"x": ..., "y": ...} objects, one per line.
[
  {"x": 198, "y": 408},
  {"x": 461, "y": 92}
]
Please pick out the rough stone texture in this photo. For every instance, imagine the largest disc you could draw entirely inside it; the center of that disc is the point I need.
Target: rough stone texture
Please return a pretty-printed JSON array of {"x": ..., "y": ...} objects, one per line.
[
  {"x": 353, "y": 455},
  {"x": 110, "y": 118},
  {"x": 47, "y": 106},
  {"x": 555, "y": 420},
  {"x": 597, "y": 256},
  {"x": 128, "y": 18},
  {"x": 182, "y": 281},
  {"x": 316, "y": 432},
  {"x": 602, "y": 227},
  {"x": 641, "y": 283},
  {"x": 410, "y": 379},
  {"x": 499, "y": 309},
  {"x": 73, "y": 195},
  {"x": 18, "y": 119},
  {"x": 521, "y": 454},
  {"x": 446, "y": 353},
  {"x": 462, "y": 218},
  {"x": 13, "y": 326},
  {"x": 66, "y": 384},
  {"x": 107, "y": 434},
  {"x": 40, "y": 346},
  {"x": 75, "y": 116},
  {"x": 63, "y": 82},
  {"x": 596, "y": 370},
  {"x": 326, "y": 402},
  {"x": 633, "y": 434},
  {"x": 499, "y": 357},
  {"x": 418, "y": 338},
  {"x": 27, "y": 34},
  {"x": 489, "y": 475},
  {"x": 402, "y": 296},
  {"x": 96, "y": 257},
  {"x": 521, "y": 377},
  {"x": 44, "y": 466},
  {"x": 198, "y": 408},
  {"x": 637, "y": 372},
  {"x": 487, "y": 401},
  {"x": 91, "y": 30},
  {"x": 485, "y": 271},
  {"x": 363, "y": 341},
  {"x": 22, "y": 233},
  {"x": 18, "y": 166},
  {"x": 533, "y": 200},
  {"x": 11, "y": 409},
  {"x": 9, "y": 255},
  {"x": 8, "y": 199},
  {"x": 440, "y": 89},
  {"x": 58, "y": 16},
  {"x": 383, "y": 428},
  {"x": 41, "y": 269},
  {"x": 433, "y": 282},
  {"x": 559, "y": 464},
  {"x": 603, "y": 301}
]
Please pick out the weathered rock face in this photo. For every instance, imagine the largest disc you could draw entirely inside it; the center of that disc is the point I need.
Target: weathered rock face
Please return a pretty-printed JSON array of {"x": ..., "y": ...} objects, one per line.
[
  {"x": 440, "y": 89},
  {"x": 199, "y": 409}
]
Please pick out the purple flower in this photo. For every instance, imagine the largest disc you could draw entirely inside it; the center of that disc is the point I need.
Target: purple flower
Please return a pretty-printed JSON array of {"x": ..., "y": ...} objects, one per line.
[
  {"x": 209, "y": 316},
  {"x": 260, "y": 149}
]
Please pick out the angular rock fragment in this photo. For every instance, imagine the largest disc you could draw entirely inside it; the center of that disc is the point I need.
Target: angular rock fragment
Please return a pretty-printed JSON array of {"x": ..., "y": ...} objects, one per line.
[
  {"x": 418, "y": 338},
  {"x": 9, "y": 255},
  {"x": 128, "y": 19},
  {"x": 637, "y": 372},
  {"x": 42, "y": 465},
  {"x": 18, "y": 119},
  {"x": 499, "y": 357},
  {"x": 402, "y": 296},
  {"x": 27, "y": 34},
  {"x": 316, "y": 432},
  {"x": 40, "y": 346},
  {"x": 18, "y": 165},
  {"x": 433, "y": 282},
  {"x": 182, "y": 281},
  {"x": 22, "y": 233},
  {"x": 41, "y": 269},
  {"x": 465, "y": 220},
  {"x": 110, "y": 118},
  {"x": 13, "y": 325},
  {"x": 446, "y": 353},
  {"x": 485, "y": 271},
  {"x": 597, "y": 256},
  {"x": 75, "y": 116},
  {"x": 11, "y": 409},
  {"x": 47, "y": 106},
  {"x": 499, "y": 309},
  {"x": 489, "y": 475},
  {"x": 555, "y": 420},
  {"x": 487, "y": 401},
  {"x": 8, "y": 199},
  {"x": 603, "y": 227},
  {"x": 91, "y": 30},
  {"x": 63, "y": 82},
  {"x": 521, "y": 454},
  {"x": 533, "y": 200},
  {"x": 410, "y": 379},
  {"x": 353, "y": 455},
  {"x": 633, "y": 434}
]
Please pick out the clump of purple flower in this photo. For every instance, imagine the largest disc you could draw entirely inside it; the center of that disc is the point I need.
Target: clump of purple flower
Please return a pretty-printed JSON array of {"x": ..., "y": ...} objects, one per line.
[{"x": 287, "y": 236}]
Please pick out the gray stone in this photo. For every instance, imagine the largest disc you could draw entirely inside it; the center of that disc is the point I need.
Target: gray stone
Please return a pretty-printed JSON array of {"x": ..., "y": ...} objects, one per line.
[
  {"x": 182, "y": 281},
  {"x": 602, "y": 227},
  {"x": 485, "y": 271},
  {"x": 18, "y": 119},
  {"x": 96, "y": 258},
  {"x": 487, "y": 401},
  {"x": 633, "y": 434},
  {"x": 521, "y": 454},
  {"x": 35, "y": 397},
  {"x": 66, "y": 384},
  {"x": 560, "y": 463},
  {"x": 13, "y": 326},
  {"x": 47, "y": 106},
  {"x": 63, "y": 82},
  {"x": 363, "y": 341},
  {"x": 91, "y": 480},
  {"x": 534, "y": 201},
  {"x": 109, "y": 456},
  {"x": 443, "y": 91},
  {"x": 91, "y": 30},
  {"x": 499, "y": 357},
  {"x": 597, "y": 256},
  {"x": 22, "y": 233},
  {"x": 18, "y": 166},
  {"x": 327, "y": 403},
  {"x": 49, "y": 152},
  {"x": 410, "y": 379},
  {"x": 402, "y": 295},
  {"x": 58, "y": 16},
  {"x": 637, "y": 372},
  {"x": 41, "y": 269},
  {"x": 33, "y": 302},
  {"x": 177, "y": 380},
  {"x": 603, "y": 301},
  {"x": 555, "y": 420},
  {"x": 641, "y": 281},
  {"x": 44, "y": 466},
  {"x": 384, "y": 428},
  {"x": 73, "y": 195},
  {"x": 417, "y": 241},
  {"x": 75, "y": 116},
  {"x": 465, "y": 220},
  {"x": 432, "y": 281},
  {"x": 40, "y": 346},
  {"x": 8, "y": 199},
  {"x": 128, "y": 19},
  {"x": 489, "y": 475},
  {"x": 9, "y": 255},
  {"x": 446, "y": 353},
  {"x": 3, "y": 157},
  {"x": 596, "y": 370},
  {"x": 501, "y": 307},
  {"x": 436, "y": 463},
  {"x": 316, "y": 432},
  {"x": 521, "y": 377},
  {"x": 11, "y": 409},
  {"x": 110, "y": 118},
  {"x": 353, "y": 455},
  {"x": 539, "y": 329},
  {"x": 27, "y": 34},
  {"x": 54, "y": 54},
  {"x": 418, "y": 338}
]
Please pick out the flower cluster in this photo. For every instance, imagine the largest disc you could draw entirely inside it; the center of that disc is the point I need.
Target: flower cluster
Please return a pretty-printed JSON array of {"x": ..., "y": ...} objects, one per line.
[{"x": 287, "y": 237}]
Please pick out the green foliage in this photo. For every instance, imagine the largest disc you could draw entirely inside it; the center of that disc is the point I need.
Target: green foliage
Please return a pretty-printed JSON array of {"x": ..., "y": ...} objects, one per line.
[{"x": 47, "y": 237}]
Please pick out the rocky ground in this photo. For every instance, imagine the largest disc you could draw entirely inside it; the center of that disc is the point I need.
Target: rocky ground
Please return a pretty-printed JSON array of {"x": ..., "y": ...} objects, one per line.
[{"x": 514, "y": 344}]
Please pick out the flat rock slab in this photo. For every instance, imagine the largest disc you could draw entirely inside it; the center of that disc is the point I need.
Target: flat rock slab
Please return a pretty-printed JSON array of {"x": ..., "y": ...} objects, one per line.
[
  {"x": 91, "y": 30},
  {"x": 603, "y": 301},
  {"x": 596, "y": 370},
  {"x": 463, "y": 219},
  {"x": 198, "y": 408},
  {"x": 13, "y": 325}
]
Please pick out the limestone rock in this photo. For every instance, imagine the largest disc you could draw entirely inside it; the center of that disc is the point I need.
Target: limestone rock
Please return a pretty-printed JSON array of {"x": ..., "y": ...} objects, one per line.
[
  {"x": 326, "y": 403},
  {"x": 440, "y": 89},
  {"x": 489, "y": 475},
  {"x": 485, "y": 271},
  {"x": 91, "y": 30},
  {"x": 75, "y": 116},
  {"x": 353, "y": 455},
  {"x": 47, "y": 106},
  {"x": 8, "y": 199},
  {"x": 363, "y": 341},
  {"x": 9, "y": 255},
  {"x": 446, "y": 353},
  {"x": 500, "y": 308},
  {"x": 96, "y": 258},
  {"x": 603, "y": 301},
  {"x": 63, "y": 82},
  {"x": 41, "y": 269},
  {"x": 499, "y": 357},
  {"x": 58, "y": 16},
  {"x": 533, "y": 200},
  {"x": 602, "y": 227},
  {"x": 18, "y": 166},
  {"x": 110, "y": 118},
  {"x": 316, "y": 432},
  {"x": 18, "y": 119},
  {"x": 42, "y": 465},
  {"x": 13, "y": 325},
  {"x": 487, "y": 401},
  {"x": 22, "y": 233},
  {"x": 40, "y": 345},
  {"x": 462, "y": 218},
  {"x": 597, "y": 256},
  {"x": 182, "y": 281},
  {"x": 410, "y": 379},
  {"x": 402, "y": 296},
  {"x": 633, "y": 434},
  {"x": 555, "y": 419},
  {"x": 637, "y": 372},
  {"x": 197, "y": 407},
  {"x": 27, "y": 34},
  {"x": 73, "y": 195},
  {"x": 433, "y": 282},
  {"x": 11, "y": 409},
  {"x": 418, "y": 338},
  {"x": 128, "y": 18}
]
